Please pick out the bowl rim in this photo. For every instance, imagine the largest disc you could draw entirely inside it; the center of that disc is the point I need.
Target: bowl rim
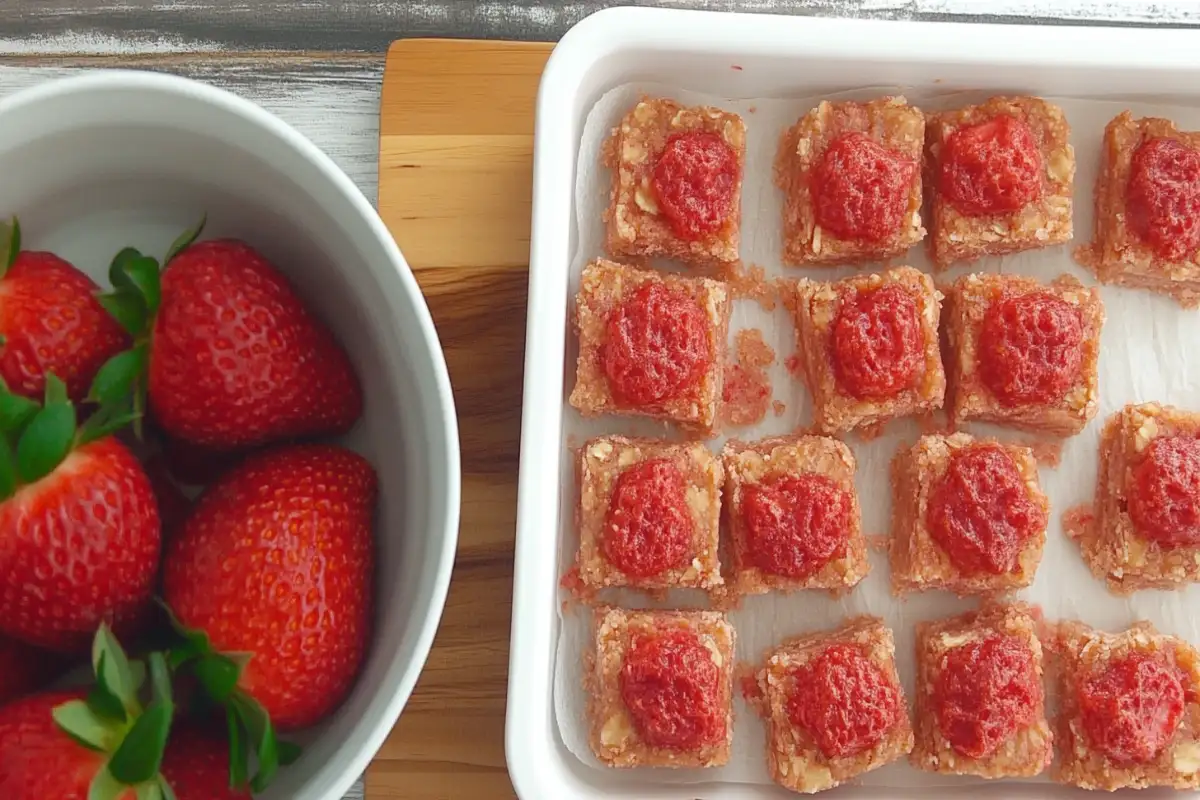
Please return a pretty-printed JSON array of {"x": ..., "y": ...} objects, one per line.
[{"x": 347, "y": 191}]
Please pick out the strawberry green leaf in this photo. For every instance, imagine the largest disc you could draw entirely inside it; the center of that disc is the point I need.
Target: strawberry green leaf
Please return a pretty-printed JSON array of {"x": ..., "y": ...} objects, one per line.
[
  {"x": 217, "y": 674},
  {"x": 107, "y": 421},
  {"x": 118, "y": 275},
  {"x": 10, "y": 244},
  {"x": 149, "y": 791},
  {"x": 105, "y": 786},
  {"x": 8, "y": 470},
  {"x": 113, "y": 669},
  {"x": 262, "y": 736},
  {"x": 127, "y": 307},
  {"x": 185, "y": 239},
  {"x": 15, "y": 411},
  {"x": 115, "y": 381},
  {"x": 45, "y": 441},
  {"x": 103, "y": 702},
  {"x": 140, "y": 755},
  {"x": 167, "y": 792},
  {"x": 289, "y": 753},
  {"x": 131, "y": 270},
  {"x": 239, "y": 767},
  {"x": 56, "y": 391},
  {"x": 79, "y": 722},
  {"x": 160, "y": 678}
]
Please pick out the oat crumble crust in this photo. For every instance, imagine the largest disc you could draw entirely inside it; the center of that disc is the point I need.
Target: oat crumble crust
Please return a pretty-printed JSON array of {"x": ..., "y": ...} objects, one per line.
[
  {"x": 793, "y": 759},
  {"x": 1042, "y": 223},
  {"x": 603, "y": 286},
  {"x": 1028, "y": 751},
  {"x": 891, "y": 122},
  {"x": 917, "y": 562},
  {"x": 635, "y": 228},
  {"x": 1112, "y": 548},
  {"x": 601, "y": 462},
  {"x": 752, "y": 463},
  {"x": 612, "y": 736},
  {"x": 967, "y": 302},
  {"x": 1078, "y": 651},
  {"x": 1116, "y": 254},
  {"x": 815, "y": 308}
]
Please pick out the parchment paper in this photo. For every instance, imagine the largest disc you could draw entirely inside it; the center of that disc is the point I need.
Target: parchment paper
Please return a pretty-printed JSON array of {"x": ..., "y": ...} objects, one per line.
[{"x": 1145, "y": 355}]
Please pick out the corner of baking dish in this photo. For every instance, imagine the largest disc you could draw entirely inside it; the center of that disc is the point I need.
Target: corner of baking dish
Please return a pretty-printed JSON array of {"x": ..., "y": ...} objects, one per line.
[{"x": 773, "y": 56}]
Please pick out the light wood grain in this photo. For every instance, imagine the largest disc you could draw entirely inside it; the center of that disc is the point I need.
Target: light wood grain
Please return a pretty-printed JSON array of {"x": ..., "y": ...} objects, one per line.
[{"x": 456, "y": 150}]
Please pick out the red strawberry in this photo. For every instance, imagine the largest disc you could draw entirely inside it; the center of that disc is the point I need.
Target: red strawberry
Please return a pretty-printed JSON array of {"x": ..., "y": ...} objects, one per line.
[
  {"x": 236, "y": 359},
  {"x": 50, "y": 321},
  {"x": 24, "y": 669},
  {"x": 196, "y": 765},
  {"x": 276, "y": 562},
  {"x": 79, "y": 529}
]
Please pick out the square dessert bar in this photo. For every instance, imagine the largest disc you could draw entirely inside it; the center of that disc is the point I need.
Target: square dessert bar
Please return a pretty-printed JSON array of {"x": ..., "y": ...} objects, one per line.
[
  {"x": 944, "y": 482},
  {"x": 857, "y": 378},
  {"x": 807, "y": 675},
  {"x": 801, "y": 475},
  {"x": 972, "y": 225},
  {"x": 679, "y": 486},
  {"x": 630, "y": 723},
  {"x": 1133, "y": 542},
  {"x": 640, "y": 374},
  {"x": 973, "y": 670},
  {"x": 676, "y": 183},
  {"x": 1096, "y": 672},
  {"x": 1120, "y": 252},
  {"x": 814, "y": 168},
  {"x": 999, "y": 330}
]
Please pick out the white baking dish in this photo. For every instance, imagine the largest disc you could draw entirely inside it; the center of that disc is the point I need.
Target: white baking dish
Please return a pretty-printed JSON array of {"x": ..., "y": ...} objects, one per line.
[{"x": 736, "y": 56}]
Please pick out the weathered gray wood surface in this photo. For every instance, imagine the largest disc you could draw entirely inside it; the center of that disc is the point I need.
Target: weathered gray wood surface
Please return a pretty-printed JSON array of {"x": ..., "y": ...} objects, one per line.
[{"x": 318, "y": 63}]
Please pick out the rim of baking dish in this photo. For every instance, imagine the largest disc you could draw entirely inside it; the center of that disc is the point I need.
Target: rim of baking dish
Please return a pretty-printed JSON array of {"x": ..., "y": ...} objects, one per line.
[{"x": 532, "y": 743}]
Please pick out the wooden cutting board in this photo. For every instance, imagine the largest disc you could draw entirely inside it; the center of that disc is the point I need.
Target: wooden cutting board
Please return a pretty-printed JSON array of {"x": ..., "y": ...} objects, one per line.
[{"x": 455, "y": 177}]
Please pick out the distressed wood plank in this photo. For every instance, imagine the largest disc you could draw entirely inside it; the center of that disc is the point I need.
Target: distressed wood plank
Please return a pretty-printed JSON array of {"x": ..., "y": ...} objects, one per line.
[{"x": 125, "y": 26}]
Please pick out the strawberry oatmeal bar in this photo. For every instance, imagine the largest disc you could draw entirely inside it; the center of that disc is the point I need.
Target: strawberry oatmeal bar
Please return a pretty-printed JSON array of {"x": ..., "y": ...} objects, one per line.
[
  {"x": 650, "y": 344},
  {"x": 1023, "y": 353},
  {"x": 980, "y": 707},
  {"x": 870, "y": 347},
  {"x": 968, "y": 516},
  {"x": 1001, "y": 175},
  {"x": 1146, "y": 532},
  {"x": 648, "y": 514},
  {"x": 677, "y": 183},
  {"x": 834, "y": 706},
  {"x": 1128, "y": 715},
  {"x": 793, "y": 516},
  {"x": 1147, "y": 228},
  {"x": 851, "y": 178},
  {"x": 638, "y": 665}
]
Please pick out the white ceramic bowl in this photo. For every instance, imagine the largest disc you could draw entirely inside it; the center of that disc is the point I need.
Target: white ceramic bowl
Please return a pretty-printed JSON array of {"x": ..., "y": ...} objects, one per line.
[{"x": 96, "y": 162}]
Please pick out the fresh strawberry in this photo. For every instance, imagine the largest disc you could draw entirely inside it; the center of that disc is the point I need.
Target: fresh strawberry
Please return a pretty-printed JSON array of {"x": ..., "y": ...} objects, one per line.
[
  {"x": 24, "y": 669},
  {"x": 103, "y": 744},
  {"x": 274, "y": 568},
  {"x": 236, "y": 360},
  {"x": 50, "y": 321},
  {"x": 80, "y": 536}
]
